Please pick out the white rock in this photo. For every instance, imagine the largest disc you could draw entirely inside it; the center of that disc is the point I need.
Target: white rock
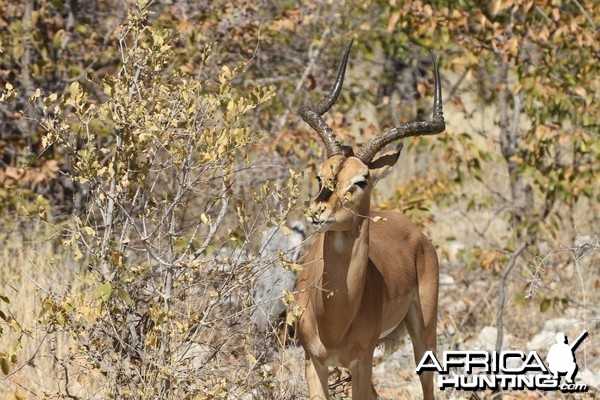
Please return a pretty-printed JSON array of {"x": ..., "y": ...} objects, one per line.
[
  {"x": 272, "y": 280},
  {"x": 559, "y": 324},
  {"x": 486, "y": 340},
  {"x": 457, "y": 308},
  {"x": 541, "y": 341},
  {"x": 446, "y": 279},
  {"x": 193, "y": 355}
]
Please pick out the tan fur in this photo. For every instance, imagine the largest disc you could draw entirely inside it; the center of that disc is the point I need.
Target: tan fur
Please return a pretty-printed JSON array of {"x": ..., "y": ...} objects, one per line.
[{"x": 367, "y": 274}]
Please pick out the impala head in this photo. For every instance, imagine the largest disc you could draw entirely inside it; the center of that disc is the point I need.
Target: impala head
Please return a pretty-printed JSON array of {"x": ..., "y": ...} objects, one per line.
[{"x": 346, "y": 179}]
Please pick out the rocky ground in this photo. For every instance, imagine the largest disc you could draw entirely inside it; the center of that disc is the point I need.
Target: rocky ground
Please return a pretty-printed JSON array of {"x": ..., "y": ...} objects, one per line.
[{"x": 395, "y": 377}]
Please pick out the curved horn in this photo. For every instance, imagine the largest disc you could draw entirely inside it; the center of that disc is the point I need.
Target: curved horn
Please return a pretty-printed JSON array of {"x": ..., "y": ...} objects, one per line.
[
  {"x": 417, "y": 128},
  {"x": 312, "y": 114}
]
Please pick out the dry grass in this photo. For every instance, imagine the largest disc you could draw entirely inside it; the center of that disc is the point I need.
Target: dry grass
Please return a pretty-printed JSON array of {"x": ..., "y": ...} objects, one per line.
[
  {"x": 51, "y": 365},
  {"x": 220, "y": 359},
  {"x": 35, "y": 266}
]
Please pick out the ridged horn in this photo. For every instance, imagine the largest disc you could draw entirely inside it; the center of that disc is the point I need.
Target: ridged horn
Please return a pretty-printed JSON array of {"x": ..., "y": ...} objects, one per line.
[{"x": 312, "y": 114}]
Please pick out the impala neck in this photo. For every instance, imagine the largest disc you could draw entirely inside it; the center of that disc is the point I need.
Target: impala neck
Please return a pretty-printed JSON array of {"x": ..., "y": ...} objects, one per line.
[{"x": 345, "y": 258}]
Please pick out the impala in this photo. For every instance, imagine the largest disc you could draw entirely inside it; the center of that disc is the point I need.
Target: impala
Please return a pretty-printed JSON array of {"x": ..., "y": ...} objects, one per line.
[{"x": 369, "y": 275}]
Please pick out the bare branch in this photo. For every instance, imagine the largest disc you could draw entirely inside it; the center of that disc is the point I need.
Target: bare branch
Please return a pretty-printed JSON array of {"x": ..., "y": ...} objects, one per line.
[
  {"x": 502, "y": 293},
  {"x": 215, "y": 225}
]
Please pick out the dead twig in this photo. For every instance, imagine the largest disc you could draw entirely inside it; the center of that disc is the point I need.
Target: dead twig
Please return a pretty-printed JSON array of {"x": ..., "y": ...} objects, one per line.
[{"x": 502, "y": 293}]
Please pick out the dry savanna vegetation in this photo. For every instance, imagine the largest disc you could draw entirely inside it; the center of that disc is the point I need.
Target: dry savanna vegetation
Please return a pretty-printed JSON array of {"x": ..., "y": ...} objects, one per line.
[{"x": 154, "y": 173}]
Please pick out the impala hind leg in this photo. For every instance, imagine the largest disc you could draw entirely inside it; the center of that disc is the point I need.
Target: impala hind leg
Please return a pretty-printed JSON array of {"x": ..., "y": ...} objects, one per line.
[
  {"x": 423, "y": 336},
  {"x": 316, "y": 377}
]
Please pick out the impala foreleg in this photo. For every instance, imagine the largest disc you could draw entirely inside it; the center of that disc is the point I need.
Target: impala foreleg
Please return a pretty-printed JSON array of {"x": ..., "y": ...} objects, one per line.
[
  {"x": 362, "y": 373},
  {"x": 316, "y": 377}
]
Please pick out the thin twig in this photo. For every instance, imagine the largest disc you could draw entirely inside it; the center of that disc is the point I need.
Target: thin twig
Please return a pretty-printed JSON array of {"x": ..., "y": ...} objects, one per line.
[
  {"x": 213, "y": 227},
  {"x": 502, "y": 293},
  {"x": 40, "y": 287},
  {"x": 584, "y": 12},
  {"x": 29, "y": 361}
]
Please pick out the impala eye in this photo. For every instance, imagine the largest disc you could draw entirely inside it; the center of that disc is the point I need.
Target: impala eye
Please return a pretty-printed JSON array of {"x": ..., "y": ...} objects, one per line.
[{"x": 361, "y": 184}]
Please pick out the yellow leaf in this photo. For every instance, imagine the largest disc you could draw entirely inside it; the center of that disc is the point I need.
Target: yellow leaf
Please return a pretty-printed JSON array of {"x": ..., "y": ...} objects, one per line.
[
  {"x": 19, "y": 396},
  {"x": 74, "y": 88},
  {"x": 251, "y": 359},
  {"x": 580, "y": 91},
  {"x": 226, "y": 75},
  {"x": 295, "y": 267},
  {"x": 204, "y": 218},
  {"x": 513, "y": 46},
  {"x": 36, "y": 95},
  {"x": 392, "y": 21},
  {"x": 293, "y": 315},
  {"x": 77, "y": 254}
]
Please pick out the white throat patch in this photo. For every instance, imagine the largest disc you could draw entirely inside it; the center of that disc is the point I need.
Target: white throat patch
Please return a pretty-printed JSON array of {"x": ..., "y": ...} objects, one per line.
[{"x": 339, "y": 242}]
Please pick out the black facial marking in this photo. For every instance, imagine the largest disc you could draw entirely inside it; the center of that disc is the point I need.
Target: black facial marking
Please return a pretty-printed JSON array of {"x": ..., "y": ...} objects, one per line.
[
  {"x": 361, "y": 184},
  {"x": 324, "y": 195}
]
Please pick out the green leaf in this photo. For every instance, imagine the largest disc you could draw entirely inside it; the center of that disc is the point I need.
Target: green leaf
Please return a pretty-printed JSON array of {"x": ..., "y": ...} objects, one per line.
[
  {"x": 124, "y": 296},
  {"x": 4, "y": 365},
  {"x": 103, "y": 292},
  {"x": 545, "y": 305}
]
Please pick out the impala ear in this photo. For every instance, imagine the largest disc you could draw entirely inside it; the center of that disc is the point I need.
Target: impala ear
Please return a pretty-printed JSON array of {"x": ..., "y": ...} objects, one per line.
[{"x": 382, "y": 166}]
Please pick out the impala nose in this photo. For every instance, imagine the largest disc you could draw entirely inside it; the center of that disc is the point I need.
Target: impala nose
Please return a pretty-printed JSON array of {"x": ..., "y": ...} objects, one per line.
[
  {"x": 319, "y": 221},
  {"x": 314, "y": 219},
  {"x": 314, "y": 214}
]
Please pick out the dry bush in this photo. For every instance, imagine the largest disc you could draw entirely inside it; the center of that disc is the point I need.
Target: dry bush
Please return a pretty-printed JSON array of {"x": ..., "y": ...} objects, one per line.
[
  {"x": 172, "y": 219},
  {"x": 146, "y": 291}
]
